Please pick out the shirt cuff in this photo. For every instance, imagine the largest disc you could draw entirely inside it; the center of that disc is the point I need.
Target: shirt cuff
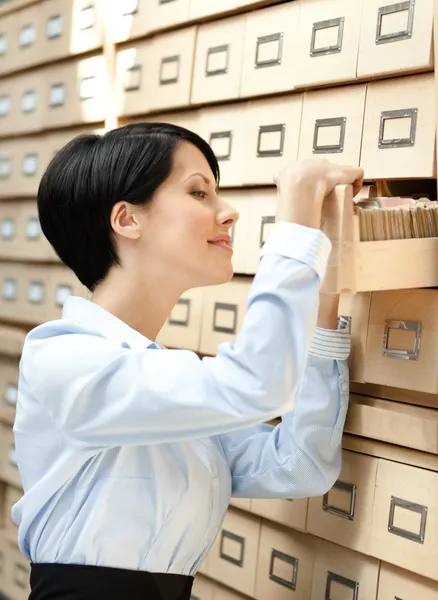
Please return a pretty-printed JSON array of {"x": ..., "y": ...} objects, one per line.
[
  {"x": 307, "y": 245},
  {"x": 330, "y": 343}
]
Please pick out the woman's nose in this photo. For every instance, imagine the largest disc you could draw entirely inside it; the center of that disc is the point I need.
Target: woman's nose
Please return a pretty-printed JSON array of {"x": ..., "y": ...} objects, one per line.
[{"x": 228, "y": 216}]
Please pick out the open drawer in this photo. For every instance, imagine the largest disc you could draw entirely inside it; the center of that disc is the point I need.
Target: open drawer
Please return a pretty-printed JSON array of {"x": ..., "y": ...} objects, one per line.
[{"x": 356, "y": 266}]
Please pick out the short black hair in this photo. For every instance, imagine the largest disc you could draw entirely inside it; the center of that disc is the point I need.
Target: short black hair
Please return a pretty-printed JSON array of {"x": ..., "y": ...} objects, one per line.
[{"x": 93, "y": 172}]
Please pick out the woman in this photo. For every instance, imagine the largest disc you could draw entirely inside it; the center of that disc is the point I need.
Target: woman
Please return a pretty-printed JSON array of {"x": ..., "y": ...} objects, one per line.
[{"x": 129, "y": 453}]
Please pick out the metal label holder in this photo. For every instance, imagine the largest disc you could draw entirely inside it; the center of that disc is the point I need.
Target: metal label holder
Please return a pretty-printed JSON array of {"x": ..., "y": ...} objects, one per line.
[
  {"x": 404, "y": 326},
  {"x": 396, "y": 36},
  {"x": 351, "y": 488},
  {"x": 404, "y": 533}
]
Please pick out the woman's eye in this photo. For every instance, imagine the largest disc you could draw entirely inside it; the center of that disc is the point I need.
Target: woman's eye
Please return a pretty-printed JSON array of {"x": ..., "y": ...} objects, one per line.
[{"x": 199, "y": 194}]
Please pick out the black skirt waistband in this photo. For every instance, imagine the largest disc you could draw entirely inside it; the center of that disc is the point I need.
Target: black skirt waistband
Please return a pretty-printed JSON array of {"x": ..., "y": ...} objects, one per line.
[{"x": 78, "y": 582}]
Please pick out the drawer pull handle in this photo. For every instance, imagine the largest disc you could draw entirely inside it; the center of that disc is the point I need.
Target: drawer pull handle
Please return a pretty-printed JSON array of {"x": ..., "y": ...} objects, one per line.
[
  {"x": 329, "y": 148},
  {"x": 324, "y": 50},
  {"x": 348, "y": 583},
  {"x": 212, "y": 71},
  {"x": 236, "y": 539},
  {"x": 291, "y": 560},
  {"x": 165, "y": 62},
  {"x": 344, "y": 323},
  {"x": 230, "y": 308},
  {"x": 261, "y": 63},
  {"x": 184, "y": 322},
  {"x": 396, "y": 36},
  {"x": 133, "y": 78},
  {"x": 222, "y": 135},
  {"x": 281, "y": 129},
  {"x": 351, "y": 488},
  {"x": 404, "y": 326},
  {"x": 265, "y": 221},
  {"x": 405, "y": 142},
  {"x": 411, "y": 506}
]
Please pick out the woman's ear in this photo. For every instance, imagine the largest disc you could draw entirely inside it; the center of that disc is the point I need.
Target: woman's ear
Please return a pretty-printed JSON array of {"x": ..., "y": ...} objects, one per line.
[{"x": 124, "y": 220}]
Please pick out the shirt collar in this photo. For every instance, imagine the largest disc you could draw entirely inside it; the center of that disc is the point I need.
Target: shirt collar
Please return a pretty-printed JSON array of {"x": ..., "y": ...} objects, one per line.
[{"x": 94, "y": 317}]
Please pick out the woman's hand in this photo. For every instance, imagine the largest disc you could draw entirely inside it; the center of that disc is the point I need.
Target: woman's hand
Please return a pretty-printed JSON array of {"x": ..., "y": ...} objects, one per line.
[
  {"x": 303, "y": 186},
  {"x": 328, "y": 310}
]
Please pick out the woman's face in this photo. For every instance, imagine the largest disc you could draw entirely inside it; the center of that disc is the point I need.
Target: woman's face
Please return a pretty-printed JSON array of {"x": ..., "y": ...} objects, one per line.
[{"x": 185, "y": 230}]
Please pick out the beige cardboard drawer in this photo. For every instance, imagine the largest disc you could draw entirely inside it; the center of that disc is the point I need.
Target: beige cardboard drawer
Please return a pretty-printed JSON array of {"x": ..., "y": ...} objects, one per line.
[
  {"x": 24, "y": 292},
  {"x": 203, "y": 588},
  {"x": 12, "y": 496},
  {"x": 341, "y": 573},
  {"x": 393, "y": 422},
  {"x": 28, "y": 37},
  {"x": 395, "y": 37},
  {"x": 226, "y": 130},
  {"x": 77, "y": 92},
  {"x": 356, "y": 309},
  {"x": 200, "y": 8},
  {"x": 270, "y": 49},
  {"x": 218, "y": 60},
  {"x": 344, "y": 514},
  {"x": 17, "y": 573},
  {"x": 396, "y": 583},
  {"x": 403, "y": 340},
  {"x": 399, "y": 130},
  {"x": 161, "y": 15},
  {"x": 171, "y": 69},
  {"x": 291, "y": 513},
  {"x": 128, "y": 20},
  {"x": 183, "y": 327},
  {"x": 23, "y": 110},
  {"x": 233, "y": 556},
  {"x": 30, "y": 244},
  {"x": 8, "y": 54},
  {"x": 257, "y": 210},
  {"x": 224, "y": 309},
  {"x": 405, "y": 518},
  {"x": 224, "y": 593},
  {"x": 285, "y": 564},
  {"x": 8, "y": 388},
  {"x": 133, "y": 79},
  {"x": 328, "y": 41},
  {"x": 332, "y": 124},
  {"x": 11, "y": 341},
  {"x": 71, "y": 27},
  {"x": 8, "y": 466},
  {"x": 242, "y": 503},
  {"x": 22, "y": 163},
  {"x": 272, "y": 134},
  {"x": 9, "y": 106}
]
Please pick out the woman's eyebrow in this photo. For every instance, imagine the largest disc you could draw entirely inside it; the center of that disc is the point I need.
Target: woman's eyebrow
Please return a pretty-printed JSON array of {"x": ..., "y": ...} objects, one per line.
[{"x": 207, "y": 181}]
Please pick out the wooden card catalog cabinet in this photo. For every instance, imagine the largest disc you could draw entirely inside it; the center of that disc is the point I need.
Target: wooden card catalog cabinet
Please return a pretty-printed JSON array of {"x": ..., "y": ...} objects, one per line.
[{"x": 183, "y": 327}]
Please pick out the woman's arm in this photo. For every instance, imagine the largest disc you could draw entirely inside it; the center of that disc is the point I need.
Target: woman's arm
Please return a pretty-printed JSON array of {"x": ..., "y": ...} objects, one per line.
[{"x": 301, "y": 457}]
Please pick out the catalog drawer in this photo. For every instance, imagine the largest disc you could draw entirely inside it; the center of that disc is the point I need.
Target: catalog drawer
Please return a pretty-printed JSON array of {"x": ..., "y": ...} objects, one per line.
[
  {"x": 285, "y": 564},
  {"x": 395, "y": 37},
  {"x": 22, "y": 101},
  {"x": 332, "y": 124},
  {"x": 8, "y": 55},
  {"x": 161, "y": 15},
  {"x": 395, "y": 583},
  {"x": 218, "y": 60},
  {"x": 183, "y": 327},
  {"x": 133, "y": 79},
  {"x": 328, "y": 41},
  {"x": 28, "y": 37},
  {"x": 356, "y": 309},
  {"x": 269, "y": 64},
  {"x": 22, "y": 163},
  {"x": 344, "y": 514},
  {"x": 201, "y": 8},
  {"x": 399, "y": 129},
  {"x": 290, "y": 513},
  {"x": 233, "y": 557},
  {"x": 405, "y": 518},
  {"x": 403, "y": 340},
  {"x": 203, "y": 588},
  {"x": 272, "y": 134}
]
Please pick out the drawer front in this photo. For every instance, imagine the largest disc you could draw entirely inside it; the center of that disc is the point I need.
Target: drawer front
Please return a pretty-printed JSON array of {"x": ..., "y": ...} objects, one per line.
[
  {"x": 28, "y": 37},
  {"x": 8, "y": 388},
  {"x": 31, "y": 244},
  {"x": 133, "y": 79},
  {"x": 224, "y": 309},
  {"x": 8, "y": 55},
  {"x": 328, "y": 41},
  {"x": 285, "y": 564},
  {"x": 160, "y": 14},
  {"x": 225, "y": 129},
  {"x": 183, "y": 327},
  {"x": 9, "y": 109},
  {"x": 402, "y": 340},
  {"x": 344, "y": 514},
  {"x": 200, "y": 8},
  {"x": 405, "y": 518},
  {"x": 71, "y": 28},
  {"x": 270, "y": 49},
  {"x": 8, "y": 465},
  {"x": 171, "y": 69},
  {"x": 27, "y": 160},
  {"x": 273, "y": 128},
  {"x": 395, "y": 583},
  {"x": 218, "y": 61},
  {"x": 332, "y": 124},
  {"x": 341, "y": 573},
  {"x": 203, "y": 588},
  {"x": 242, "y": 503},
  {"x": 355, "y": 308},
  {"x": 27, "y": 109},
  {"x": 224, "y": 593},
  {"x": 233, "y": 557},
  {"x": 291, "y": 513},
  {"x": 128, "y": 20},
  {"x": 395, "y": 37},
  {"x": 76, "y": 92},
  {"x": 399, "y": 130}
]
